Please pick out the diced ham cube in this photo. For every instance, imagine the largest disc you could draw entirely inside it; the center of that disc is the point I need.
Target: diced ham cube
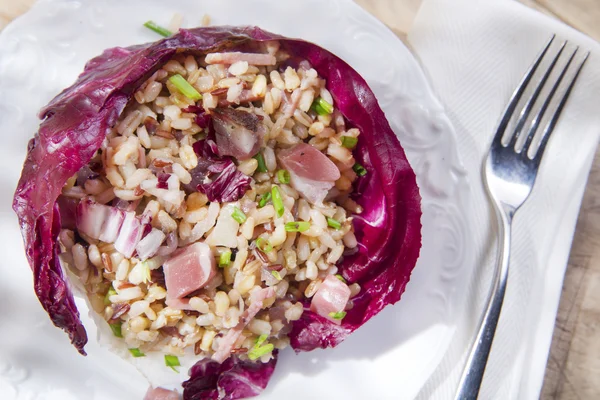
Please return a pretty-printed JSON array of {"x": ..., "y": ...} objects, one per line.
[
  {"x": 161, "y": 394},
  {"x": 332, "y": 297},
  {"x": 311, "y": 172},
  {"x": 256, "y": 304},
  {"x": 188, "y": 269}
]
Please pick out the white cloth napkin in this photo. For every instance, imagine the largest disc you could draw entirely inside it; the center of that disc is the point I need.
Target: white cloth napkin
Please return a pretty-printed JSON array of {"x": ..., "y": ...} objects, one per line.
[{"x": 475, "y": 53}]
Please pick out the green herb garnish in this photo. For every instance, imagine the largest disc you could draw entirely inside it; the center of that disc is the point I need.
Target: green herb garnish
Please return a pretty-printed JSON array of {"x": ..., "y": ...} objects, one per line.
[
  {"x": 172, "y": 362},
  {"x": 264, "y": 245},
  {"x": 262, "y": 167},
  {"x": 349, "y": 142},
  {"x": 277, "y": 200},
  {"x": 158, "y": 29},
  {"x": 337, "y": 315},
  {"x": 298, "y": 226},
  {"x": 322, "y": 107},
  {"x": 136, "y": 352},
  {"x": 359, "y": 169},
  {"x": 341, "y": 278},
  {"x": 111, "y": 292},
  {"x": 224, "y": 259},
  {"x": 185, "y": 88},
  {"x": 333, "y": 223},
  {"x": 116, "y": 329},
  {"x": 283, "y": 176},
  {"x": 264, "y": 200},
  {"x": 258, "y": 352},
  {"x": 238, "y": 215}
]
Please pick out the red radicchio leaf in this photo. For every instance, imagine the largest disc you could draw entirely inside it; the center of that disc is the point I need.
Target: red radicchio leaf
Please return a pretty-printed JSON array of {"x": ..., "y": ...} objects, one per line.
[
  {"x": 202, "y": 119},
  {"x": 215, "y": 176},
  {"x": 233, "y": 379}
]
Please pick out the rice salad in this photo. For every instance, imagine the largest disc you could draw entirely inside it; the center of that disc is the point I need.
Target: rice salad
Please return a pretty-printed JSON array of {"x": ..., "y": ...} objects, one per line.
[{"x": 217, "y": 207}]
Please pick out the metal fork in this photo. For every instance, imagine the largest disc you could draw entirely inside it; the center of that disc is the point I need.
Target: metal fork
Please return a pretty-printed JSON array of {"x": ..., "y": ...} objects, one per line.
[{"x": 510, "y": 172}]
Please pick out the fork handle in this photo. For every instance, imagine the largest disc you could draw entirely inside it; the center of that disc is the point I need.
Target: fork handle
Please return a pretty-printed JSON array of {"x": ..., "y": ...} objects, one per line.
[{"x": 470, "y": 382}]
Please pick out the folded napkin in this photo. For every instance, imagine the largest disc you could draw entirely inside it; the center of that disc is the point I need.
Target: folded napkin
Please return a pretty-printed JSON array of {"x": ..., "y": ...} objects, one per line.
[{"x": 475, "y": 53}]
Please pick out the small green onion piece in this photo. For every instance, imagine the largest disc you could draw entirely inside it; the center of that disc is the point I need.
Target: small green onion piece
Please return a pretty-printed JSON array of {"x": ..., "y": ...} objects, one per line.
[
  {"x": 172, "y": 362},
  {"x": 341, "y": 278},
  {"x": 262, "y": 167},
  {"x": 359, "y": 169},
  {"x": 264, "y": 245},
  {"x": 277, "y": 200},
  {"x": 185, "y": 88},
  {"x": 261, "y": 339},
  {"x": 158, "y": 29},
  {"x": 298, "y": 226},
  {"x": 349, "y": 142},
  {"x": 277, "y": 275},
  {"x": 116, "y": 329},
  {"x": 136, "y": 352},
  {"x": 238, "y": 215},
  {"x": 337, "y": 315},
  {"x": 264, "y": 200},
  {"x": 224, "y": 259},
  {"x": 333, "y": 223},
  {"x": 258, "y": 352},
  {"x": 283, "y": 176},
  {"x": 111, "y": 292},
  {"x": 322, "y": 107}
]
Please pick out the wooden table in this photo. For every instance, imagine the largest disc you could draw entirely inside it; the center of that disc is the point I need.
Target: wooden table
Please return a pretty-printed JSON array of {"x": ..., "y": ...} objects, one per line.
[{"x": 574, "y": 362}]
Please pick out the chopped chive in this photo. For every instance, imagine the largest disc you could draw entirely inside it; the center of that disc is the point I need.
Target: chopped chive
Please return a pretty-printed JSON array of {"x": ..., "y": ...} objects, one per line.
[
  {"x": 224, "y": 259},
  {"x": 283, "y": 176},
  {"x": 172, "y": 362},
  {"x": 258, "y": 352},
  {"x": 184, "y": 87},
  {"x": 298, "y": 226},
  {"x": 337, "y": 315},
  {"x": 333, "y": 223},
  {"x": 264, "y": 200},
  {"x": 277, "y": 275},
  {"x": 264, "y": 245},
  {"x": 158, "y": 29},
  {"x": 262, "y": 167},
  {"x": 111, "y": 292},
  {"x": 359, "y": 169},
  {"x": 136, "y": 352},
  {"x": 341, "y": 278},
  {"x": 116, "y": 329},
  {"x": 261, "y": 339},
  {"x": 322, "y": 107},
  {"x": 349, "y": 142},
  {"x": 277, "y": 200},
  {"x": 238, "y": 215}
]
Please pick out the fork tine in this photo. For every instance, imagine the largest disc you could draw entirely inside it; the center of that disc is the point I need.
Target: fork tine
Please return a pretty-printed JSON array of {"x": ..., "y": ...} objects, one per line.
[
  {"x": 552, "y": 123},
  {"x": 529, "y": 105},
  {"x": 538, "y": 118},
  {"x": 516, "y": 96}
]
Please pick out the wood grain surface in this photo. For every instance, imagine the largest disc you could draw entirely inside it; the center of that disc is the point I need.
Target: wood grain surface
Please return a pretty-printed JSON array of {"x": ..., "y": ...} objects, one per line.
[{"x": 574, "y": 363}]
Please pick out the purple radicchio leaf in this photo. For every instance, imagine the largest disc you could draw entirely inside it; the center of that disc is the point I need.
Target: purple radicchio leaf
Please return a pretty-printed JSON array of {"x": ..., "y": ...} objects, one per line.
[{"x": 233, "y": 379}]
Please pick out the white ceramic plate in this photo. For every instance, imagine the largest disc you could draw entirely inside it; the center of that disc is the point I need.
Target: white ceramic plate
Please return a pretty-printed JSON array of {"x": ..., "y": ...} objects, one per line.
[{"x": 391, "y": 356}]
